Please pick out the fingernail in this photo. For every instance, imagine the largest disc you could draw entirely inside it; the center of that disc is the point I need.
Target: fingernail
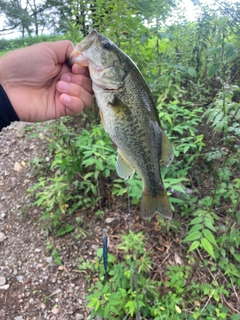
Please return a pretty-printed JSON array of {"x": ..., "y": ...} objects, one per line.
[
  {"x": 63, "y": 85},
  {"x": 66, "y": 99},
  {"x": 66, "y": 77}
]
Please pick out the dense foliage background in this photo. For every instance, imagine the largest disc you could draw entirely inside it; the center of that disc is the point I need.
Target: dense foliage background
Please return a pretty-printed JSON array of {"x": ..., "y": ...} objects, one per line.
[{"x": 192, "y": 68}]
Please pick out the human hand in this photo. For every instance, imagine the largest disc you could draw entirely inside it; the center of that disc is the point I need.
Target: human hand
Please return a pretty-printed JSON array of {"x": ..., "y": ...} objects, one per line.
[{"x": 41, "y": 86}]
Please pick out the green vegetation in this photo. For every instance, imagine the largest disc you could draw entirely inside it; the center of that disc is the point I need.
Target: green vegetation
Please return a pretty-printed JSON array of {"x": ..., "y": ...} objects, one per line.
[
  {"x": 192, "y": 69},
  {"x": 116, "y": 297}
]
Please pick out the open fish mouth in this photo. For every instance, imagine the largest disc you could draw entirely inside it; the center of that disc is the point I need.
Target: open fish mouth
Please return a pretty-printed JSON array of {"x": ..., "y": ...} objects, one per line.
[{"x": 78, "y": 56}]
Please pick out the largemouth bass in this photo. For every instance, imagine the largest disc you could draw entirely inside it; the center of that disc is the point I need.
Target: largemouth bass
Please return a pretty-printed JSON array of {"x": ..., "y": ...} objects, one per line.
[{"x": 129, "y": 115}]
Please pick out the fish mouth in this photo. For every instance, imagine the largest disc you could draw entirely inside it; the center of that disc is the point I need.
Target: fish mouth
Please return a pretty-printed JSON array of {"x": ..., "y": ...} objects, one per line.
[{"x": 78, "y": 56}]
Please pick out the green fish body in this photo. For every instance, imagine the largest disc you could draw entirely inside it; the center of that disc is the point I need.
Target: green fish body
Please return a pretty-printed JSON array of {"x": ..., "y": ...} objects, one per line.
[{"x": 130, "y": 117}]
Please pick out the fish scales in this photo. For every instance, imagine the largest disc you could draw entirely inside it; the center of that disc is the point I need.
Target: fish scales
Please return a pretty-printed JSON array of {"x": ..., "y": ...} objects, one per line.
[
  {"x": 130, "y": 117},
  {"x": 123, "y": 129}
]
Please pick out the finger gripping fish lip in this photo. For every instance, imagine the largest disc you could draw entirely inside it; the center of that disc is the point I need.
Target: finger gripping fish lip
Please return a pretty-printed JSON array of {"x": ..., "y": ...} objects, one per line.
[{"x": 78, "y": 58}]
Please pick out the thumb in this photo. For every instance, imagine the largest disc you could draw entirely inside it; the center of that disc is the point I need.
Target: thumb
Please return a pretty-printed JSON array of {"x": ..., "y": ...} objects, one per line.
[{"x": 61, "y": 49}]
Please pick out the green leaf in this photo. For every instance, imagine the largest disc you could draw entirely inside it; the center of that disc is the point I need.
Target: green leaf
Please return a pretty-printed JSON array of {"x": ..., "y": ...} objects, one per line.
[
  {"x": 131, "y": 306},
  {"x": 231, "y": 52},
  {"x": 114, "y": 310},
  {"x": 113, "y": 302},
  {"x": 192, "y": 72},
  {"x": 106, "y": 310},
  {"x": 213, "y": 70},
  {"x": 194, "y": 246},
  {"x": 196, "y": 220},
  {"x": 186, "y": 148},
  {"x": 209, "y": 223},
  {"x": 209, "y": 236},
  {"x": 182, "y": 68},
  {"x": 237, "y": 256},
  {"x": 196, "y": 227},
  {"x": 99, "y": 252},
  {"x": 178, "y": 188},
  {"x": 193, "y": 236},
  {"x": 207, "y": 247},
  {"x": 64, "y": 230}
]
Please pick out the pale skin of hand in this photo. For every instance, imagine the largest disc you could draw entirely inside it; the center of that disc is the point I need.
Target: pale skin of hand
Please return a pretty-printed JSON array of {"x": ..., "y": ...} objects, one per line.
[{"x": 41, "y": 86}]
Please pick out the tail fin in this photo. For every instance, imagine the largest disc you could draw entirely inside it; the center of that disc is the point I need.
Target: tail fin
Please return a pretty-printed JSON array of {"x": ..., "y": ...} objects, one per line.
[{"x": 159, "y": 204}]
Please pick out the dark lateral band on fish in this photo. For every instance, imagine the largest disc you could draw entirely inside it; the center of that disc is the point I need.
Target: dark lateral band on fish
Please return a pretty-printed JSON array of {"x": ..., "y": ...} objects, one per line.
[{"x": 130, "y": 117}]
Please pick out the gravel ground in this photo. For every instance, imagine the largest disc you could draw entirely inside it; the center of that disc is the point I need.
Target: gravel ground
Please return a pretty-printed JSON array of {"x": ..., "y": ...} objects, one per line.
[{"x": 32, "y": 286}]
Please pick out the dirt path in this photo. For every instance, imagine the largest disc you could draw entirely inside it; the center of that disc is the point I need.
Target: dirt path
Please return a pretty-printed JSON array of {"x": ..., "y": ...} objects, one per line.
[{"x": 32, "y": 286}]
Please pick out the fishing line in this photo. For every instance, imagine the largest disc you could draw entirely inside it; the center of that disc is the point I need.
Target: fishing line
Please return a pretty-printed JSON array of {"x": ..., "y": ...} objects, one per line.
[{"x": 133, "y": 251}]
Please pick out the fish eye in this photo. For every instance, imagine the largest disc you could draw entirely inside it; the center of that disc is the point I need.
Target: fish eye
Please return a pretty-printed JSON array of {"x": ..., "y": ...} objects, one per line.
[{"x": 107, "y": 45}]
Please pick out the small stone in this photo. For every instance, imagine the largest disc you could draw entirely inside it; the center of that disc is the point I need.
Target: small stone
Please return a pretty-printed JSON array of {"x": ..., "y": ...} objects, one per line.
[
  {"x": 17, "y": 167},
  {"x": 37, "y": 250},
  {"x": 79, "y": 316},
  {"x": 23, "y": 163},
  {"x": 41, "y": 136},
  {"x": 20, "y": 278},
  {"x": 3, "y": 215},
  {"x": 61, "y": 268},
  {"x": 5, "y": 287},
  {"x": 57, "y": 291},
  {"x": 94, "y": 247},
  {"x": 19, "y": 318},
  {"x": 20, "y": 131},
  {"x": 177, "y": 258},
  {"x": 2, "y": 281},
  {"x": 3, "y": 197},
  {"x": 55, "y": 311},
  {"x": 2, "y": 237},
  {"x": 48, "y": 259},
  {"x": 97, "y": 229},
  {"x": 110, "y": 220}
]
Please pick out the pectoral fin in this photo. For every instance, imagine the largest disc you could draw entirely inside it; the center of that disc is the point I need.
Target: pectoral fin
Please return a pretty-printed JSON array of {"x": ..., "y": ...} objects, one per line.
[
  {"x": 167, "y": 150},
  {"x": 124, "y": 169},
  {"x": 120, "y": 108}
]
